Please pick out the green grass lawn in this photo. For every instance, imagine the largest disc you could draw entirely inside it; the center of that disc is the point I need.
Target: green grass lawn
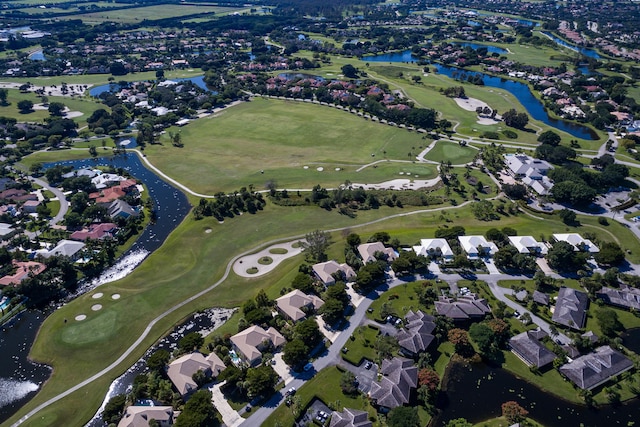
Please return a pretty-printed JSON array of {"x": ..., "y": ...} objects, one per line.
[
  {"x": 360, "y": 345},
  {"x": 326, "y": 387},
  {"x": 401, "y": 299},
  {"x": 222, "y": 153},
  {"x": 502, "y": 422},
  {"x": 453, "y": 152}
]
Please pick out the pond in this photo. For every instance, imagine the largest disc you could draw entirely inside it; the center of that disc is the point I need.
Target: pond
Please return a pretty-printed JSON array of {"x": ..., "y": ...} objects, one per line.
[
  {"x": 293, "y": 76},
  {"x": 490, "y": 49},
  {"x": 37, "y": 56},
  {"x": 19, "y": 378},
  {"x": 476, "y": 392},
  {"x": 631, "y": 340},
  {"x": 583, "y": 50},
  {"x": 520, "y": 90},
  {"x": 114, "y": 87}
]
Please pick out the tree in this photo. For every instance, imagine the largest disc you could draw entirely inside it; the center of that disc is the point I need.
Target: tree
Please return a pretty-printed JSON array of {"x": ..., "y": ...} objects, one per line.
[
  {"x": 56, "y": 109},
  {"x": 315, "y": 245},
  {"x": 459, "y": 338},
  {"x": 262, "y": 380},
  {"x": 25, "y": 106},
  {"x": 303, "y": 282},
  {"x": 3, "y": 97},
  {"x": 114, "y": 408},
  {"x": 577, "y": 193},
  {"x": 562, "y": 257},
  {"x": 295, "y": 353},
  {"x": 429, "y": 378},
  {"x": 459, "y": 422},
  {"x": 515, "y": 191},
  {"x": 403, "y": 416},
  {"x": 308, "y": 332},
  {"x": 514, "y": 119},
  {"x": 348, "y": 383},
  {"x": 484, "y": 211},
  {"x": 610, "y": 254},
  {"x": 349, "y": 71},
  {"x": 158, "y": 360},
  {"x": 198, "y": 411},
  {"x": 332, "y": 311},
  {"x": 567, "y": 216},
  {"x": 549, "y": 137},
  {"x": 191, "y": 341},
  {"x": 513, "y": 412},
  {"x": 608, "y": 322},
  {"x": 483, "y": 336}
]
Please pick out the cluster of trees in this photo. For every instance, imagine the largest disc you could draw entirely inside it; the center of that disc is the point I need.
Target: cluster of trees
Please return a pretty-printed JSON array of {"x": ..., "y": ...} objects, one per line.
[
  {"x": 551, "y": 150},
  {"x": 514, "y": 119},
  {"x": 306, "y": 335},
  {"x": 230, "y": 205}
]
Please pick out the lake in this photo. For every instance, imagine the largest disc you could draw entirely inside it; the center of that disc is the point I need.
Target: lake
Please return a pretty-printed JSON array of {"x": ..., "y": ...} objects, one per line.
[
  {"x": 114, "y": 87},
  {"x": 19, "y": 378},
  {"x": 476, "y": 46},
  {"x": 476, "y": 392},
  {"x": 520, "y": 90},
  {"x": 37, "y": 56},
  {"x": 583, "y": 50}
]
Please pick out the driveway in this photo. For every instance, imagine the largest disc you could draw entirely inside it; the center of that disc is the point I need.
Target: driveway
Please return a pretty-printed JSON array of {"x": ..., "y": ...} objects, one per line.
[
  {"x": 282, "y": 368},
  {"x": 64, "y": 204},
  {"x": 229, "y": 416},
  {"x": 364, "y": 376}
]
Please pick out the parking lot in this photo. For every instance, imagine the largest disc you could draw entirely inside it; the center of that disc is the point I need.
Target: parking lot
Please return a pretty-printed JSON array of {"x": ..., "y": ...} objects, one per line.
[
  {"x": 316, "y": 411},
  {"x": 363, "y": 375}
]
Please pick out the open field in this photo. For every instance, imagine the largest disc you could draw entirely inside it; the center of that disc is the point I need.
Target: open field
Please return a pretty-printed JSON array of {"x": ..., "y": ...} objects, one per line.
[
  {"x": 452, "y": 152},
  {"x": 138, "y": 14},
  {"x": 85, "y": 106},
  {"x": 222, "y": 153}
]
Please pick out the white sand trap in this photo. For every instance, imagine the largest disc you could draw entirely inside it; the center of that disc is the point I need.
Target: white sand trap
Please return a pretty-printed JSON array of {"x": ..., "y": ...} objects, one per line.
[
  {"x": 115, "y": 296},
  {"x": 208, "y": 230},
  {"x": 81, "y": 317},
  {"x": 72, "y": 114},
  {"x": 96, "y": 307},
  {"x": 470, "y": 104},
  {"x": 338, "y": 169},
  {"x": 486, "y": 121},
  {"x": 320, "y": 169},
  {"x": 305, "y": 167},
  {"x": 97, "y": 295},
  {"x": 401, "y": 173}
]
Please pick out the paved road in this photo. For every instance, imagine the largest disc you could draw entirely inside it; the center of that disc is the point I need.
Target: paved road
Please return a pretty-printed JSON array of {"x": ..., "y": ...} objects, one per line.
[{"x": 64, "y": 203}]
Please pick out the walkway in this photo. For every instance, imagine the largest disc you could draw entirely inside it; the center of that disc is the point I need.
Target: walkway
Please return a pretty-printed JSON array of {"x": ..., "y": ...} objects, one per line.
[{"x": 229, "y": 416}]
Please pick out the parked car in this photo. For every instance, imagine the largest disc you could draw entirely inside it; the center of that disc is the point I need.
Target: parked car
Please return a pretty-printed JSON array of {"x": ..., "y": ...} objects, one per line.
[
  {"x": 368, "y": 365},
  {"x": 291, "y": 391},
  {"x": 308, "y": 367}
]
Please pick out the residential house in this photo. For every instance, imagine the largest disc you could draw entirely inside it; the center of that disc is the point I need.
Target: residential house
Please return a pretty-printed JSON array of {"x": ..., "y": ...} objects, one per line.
[
  {"x": 528, "y": 245},
  {"x": 530, "y": 350},
  {"x": 95, "y": 231},
  {"x": 291, "y": 305},
  {"x": 477, "y": 246},
  {"x": 65, "y": 247},
  {"x": 435, "y": 248},
  {"x": 399, "y": 378},
  {"x": 23, "y": 269},
  {"x": 6, "y": 231},
  {"x": 140, "y": 416},
  {"x": 465, "y": 307},
  {"x": 540, "y": 298},
  {"x": 417, "y": 333},
  {"x": 105, "y": 180},
  {"x": 368, "y": 251},
  {"x": 324, "y": 271},
  {"x": 350, "y": 418},
  {"x": 625, "y": 297},
  {"x": 571, "y": 308},
  {"x": 30, "y": 206},
  {"x": 532, "y": 172},
  {"x": 88, "y": 172},
  {"x": 181, "y": 370},
  {"x": 593, "y": 369},
  {"x": 249, "y": 343},
  {"x": 578, "y": 243},
  {"x": 120, "y": 208}
]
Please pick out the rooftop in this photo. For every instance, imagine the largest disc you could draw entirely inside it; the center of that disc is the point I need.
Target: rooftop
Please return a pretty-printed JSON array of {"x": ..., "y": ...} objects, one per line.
[{"x": 593, "y": 369}]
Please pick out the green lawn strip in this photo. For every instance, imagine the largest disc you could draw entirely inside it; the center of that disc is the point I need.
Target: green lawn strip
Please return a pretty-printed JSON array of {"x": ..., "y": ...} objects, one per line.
[
  {"x": 222, "y": 151},
  {"x": 138, "y": 14},
  {"x": 84, "y": 105},
  {"x": 453, "y": 152},
  {"x": 401, "y": 299},
  {"x": 326, "y": 387},
  {"x": 445, "y": 351},
  {"x": 628, "y": 319},
  {"x": 54, "y": 205},
  {"x": 51, "y": 156},
  {"x": 360, "y": 345}
]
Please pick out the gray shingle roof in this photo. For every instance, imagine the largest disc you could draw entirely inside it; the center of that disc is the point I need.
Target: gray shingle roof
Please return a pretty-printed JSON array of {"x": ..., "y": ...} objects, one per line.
[
  {"x": 624, "y": 297},
  {"x": 593, "y": 369},
  {"x": 571, "y": 307},
  {"x": 540, "y": 297},
  {"x": 416, "y": 336},
  {"x": 465, "y": 307},
  {"x": 400, "y": 375},
  {"x": 528, "y": 347},
  {"x": 350, "y": 418}
]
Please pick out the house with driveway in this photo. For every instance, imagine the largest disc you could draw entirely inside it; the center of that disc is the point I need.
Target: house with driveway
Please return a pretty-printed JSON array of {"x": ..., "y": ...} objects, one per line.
[
  {"x": 140, "y": 416},
  {"x": 296, "y": 304},
  {"x": 368, "y": 251},
  {"x": 530, "y": 350},
  {"x": 250, "y": 343},
  {"x": 578, "y": 243},
  {"x": 399, "y": 379},
  {"x": 593, "y": 369},
  {"x": 417, "y": 334},
  {"x": 325, "y": 272},
  {"x": 625, "y": 297},
  {"x": 462, "y": 308},
  {"x": 477, "y": 246},
  {"x": 181, "y": 370},
  {"x": 350, "y": 418},
  {"x": 571, "y": 308},
  {"x": 528, "y": 245},
  {"x": 435, "y": 248},
  {"x": 532, "y": 172}
]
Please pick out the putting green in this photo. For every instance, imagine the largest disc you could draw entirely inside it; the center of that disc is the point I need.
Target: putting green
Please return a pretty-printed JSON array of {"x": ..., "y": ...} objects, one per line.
[{"x": 451, "y": 151}]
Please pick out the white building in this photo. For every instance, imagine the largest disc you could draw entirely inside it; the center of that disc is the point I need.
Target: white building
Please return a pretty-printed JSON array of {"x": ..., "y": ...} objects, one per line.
[
  {"x": 532, "y": 172},
  {"x": 578, "y": 243},
  {"x": 477, "y": 246},
  {"x": 528, "y": 245},
  {"x": 434, "y": 247}
]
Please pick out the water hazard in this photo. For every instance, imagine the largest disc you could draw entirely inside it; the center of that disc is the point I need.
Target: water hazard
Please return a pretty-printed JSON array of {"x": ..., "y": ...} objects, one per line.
[{"x": 16, "y": 370}]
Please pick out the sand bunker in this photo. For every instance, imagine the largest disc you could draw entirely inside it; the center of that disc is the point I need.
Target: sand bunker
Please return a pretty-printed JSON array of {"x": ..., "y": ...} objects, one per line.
[
  {"x": 80, "y": 317},
  {"x": 115, "y": 296},
  {"x": 208, "y": 230},
  {"x": 97, "y": 295},
  {"x": 470, "y": 104},
  {"x": 320, "y": 169},
  {"x": 96, "y": 307},
  {"x": 487, "y": 121}
]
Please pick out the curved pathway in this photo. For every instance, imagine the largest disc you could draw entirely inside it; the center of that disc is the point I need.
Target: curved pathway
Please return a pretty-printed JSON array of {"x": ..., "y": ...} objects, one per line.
[
  {"x": 245, "y": 263},
  {"x": 64, "y": 204}
]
